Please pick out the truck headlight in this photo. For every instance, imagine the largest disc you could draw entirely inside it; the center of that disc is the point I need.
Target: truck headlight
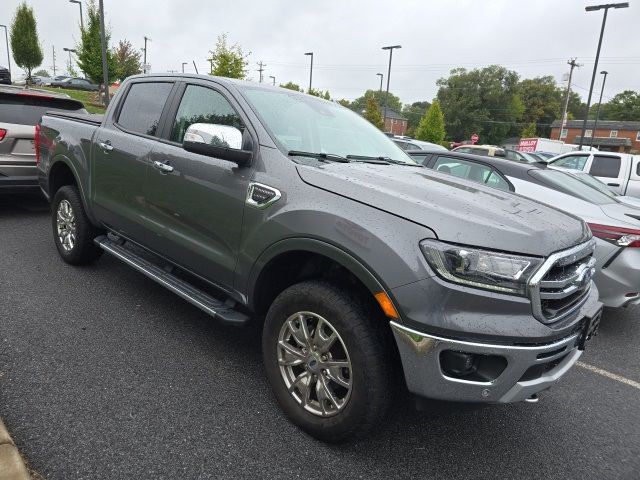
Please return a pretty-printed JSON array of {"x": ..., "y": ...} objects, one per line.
[{"x": 500, "y": 272}]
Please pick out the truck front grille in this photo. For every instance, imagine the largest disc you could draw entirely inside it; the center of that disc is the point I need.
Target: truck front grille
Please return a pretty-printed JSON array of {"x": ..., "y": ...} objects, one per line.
[{"x": 562, "y": 283}]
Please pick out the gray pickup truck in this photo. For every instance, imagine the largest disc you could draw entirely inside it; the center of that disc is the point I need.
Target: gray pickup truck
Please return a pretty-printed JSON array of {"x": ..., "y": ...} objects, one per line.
[{"x": 255, "y": 202}]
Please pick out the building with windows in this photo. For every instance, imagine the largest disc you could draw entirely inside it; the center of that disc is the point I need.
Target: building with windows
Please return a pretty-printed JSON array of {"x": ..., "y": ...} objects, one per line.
[
  {"x": 610, "y": 136},
  {"x": 394, "y": 122}
]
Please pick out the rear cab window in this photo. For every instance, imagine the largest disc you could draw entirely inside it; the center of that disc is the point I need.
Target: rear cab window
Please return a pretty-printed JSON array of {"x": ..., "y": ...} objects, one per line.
[
  {"x": 27, "y": 109},
  {"x": 142, "y": 107}
]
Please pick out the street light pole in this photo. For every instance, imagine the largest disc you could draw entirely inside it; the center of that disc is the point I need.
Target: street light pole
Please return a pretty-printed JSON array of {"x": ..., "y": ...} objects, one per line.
[
  {"x": 6, "y": 38},
  {"x": 144, "y": 62},
  {"x": 381, "y": 75},
  {"x": 70, "y": 50},
  {"x": 595, "y": 125},
  {"x": 183, "y": 64},
  {"x": 311, "y": 70},
  {"x": 386, "y": 97},
  {"x": 274, "y": 79},
  {"x": 81, "y": 20},
  {"x": 103, "y": 44},
  {"x": 593, "y": 8}
]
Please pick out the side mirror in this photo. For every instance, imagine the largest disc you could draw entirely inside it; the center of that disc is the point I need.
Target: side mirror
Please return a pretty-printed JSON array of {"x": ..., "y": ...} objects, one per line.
[{"x": 214, "y": 140}]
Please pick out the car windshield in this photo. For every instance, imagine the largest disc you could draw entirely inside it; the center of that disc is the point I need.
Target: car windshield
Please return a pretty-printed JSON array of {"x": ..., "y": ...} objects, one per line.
[
  {"x": 563, "y": 182},
  {"x": 301, "y": 122}
]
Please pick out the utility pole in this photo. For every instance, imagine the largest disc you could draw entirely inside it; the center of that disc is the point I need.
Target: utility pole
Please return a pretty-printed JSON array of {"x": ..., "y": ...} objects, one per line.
[
  {"x": 103, "y": 45},
  {"x": 53, "y": 48},
  {"x": 210, "y": 60},
  {"x": 144, "y": 62},
  {"x": 195, "y": 68},
  {"x": 594, "y": 8},
  {"x": 274, "y": 79},
  {"x": 311, "y": 70},
  {"x": 595, "y": 125},
  {"x": 183, "y": 64},
  {"x": 573, "y": 64},
  {"x": 261, "y": 69}
]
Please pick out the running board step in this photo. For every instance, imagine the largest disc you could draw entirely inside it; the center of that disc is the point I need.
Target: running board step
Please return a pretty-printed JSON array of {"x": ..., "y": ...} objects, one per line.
[{"x": 204, "y": 301}]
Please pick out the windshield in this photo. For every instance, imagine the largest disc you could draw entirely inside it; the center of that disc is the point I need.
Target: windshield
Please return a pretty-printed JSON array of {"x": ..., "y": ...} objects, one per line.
[
  {"x": 563, "y": 182},
  {"x": 304, "y": 123}
]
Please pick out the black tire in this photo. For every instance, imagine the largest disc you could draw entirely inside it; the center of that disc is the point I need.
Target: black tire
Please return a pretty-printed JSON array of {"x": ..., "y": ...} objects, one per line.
[
  {"x": 83, "y": 251},
  {"x": 360, "y": 328}
]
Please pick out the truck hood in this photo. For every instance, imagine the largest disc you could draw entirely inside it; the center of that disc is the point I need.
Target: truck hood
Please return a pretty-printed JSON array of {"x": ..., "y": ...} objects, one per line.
[{"x": 456, "y": 210}]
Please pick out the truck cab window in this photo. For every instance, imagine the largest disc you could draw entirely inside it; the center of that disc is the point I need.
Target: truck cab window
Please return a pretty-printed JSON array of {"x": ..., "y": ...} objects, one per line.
[
  {"x": 605, "y": 166},
  {"x": 143, "y": 106},
  {"x": 203, "y": 105}
]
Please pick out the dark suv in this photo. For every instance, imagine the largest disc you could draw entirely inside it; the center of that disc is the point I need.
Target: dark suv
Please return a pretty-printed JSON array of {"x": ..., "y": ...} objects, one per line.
[{"x": 5, "y": 76}]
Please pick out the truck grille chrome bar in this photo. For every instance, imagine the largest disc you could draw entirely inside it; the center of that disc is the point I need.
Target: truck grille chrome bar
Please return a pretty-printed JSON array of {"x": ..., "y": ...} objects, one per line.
[{"x": 562, "y": 283}]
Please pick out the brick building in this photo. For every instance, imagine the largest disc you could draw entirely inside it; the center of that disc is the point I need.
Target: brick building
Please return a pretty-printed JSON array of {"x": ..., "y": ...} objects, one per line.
[
  {"x": 394, "y": 122},
  {"x": 610, "y": 136}
]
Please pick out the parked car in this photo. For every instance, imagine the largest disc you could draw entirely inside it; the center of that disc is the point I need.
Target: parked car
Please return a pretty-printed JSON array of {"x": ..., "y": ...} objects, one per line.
[
  {"x": 261, "y": 201},
  {"x": 615, "y": 225},
  {"x": 407, "y": 143},
  {"x": 526, "y": 157},
  {"x": 620, "y": 171},
  {"x": 76, "y": 84},
  {"x": 5, "y": 76},
  {"x": 20, "y": 112},
  {"x": 488, "y": 150}
]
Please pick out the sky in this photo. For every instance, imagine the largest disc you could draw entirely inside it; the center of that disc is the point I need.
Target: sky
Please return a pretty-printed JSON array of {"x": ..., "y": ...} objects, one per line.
[{"x": 534, "y": 38}]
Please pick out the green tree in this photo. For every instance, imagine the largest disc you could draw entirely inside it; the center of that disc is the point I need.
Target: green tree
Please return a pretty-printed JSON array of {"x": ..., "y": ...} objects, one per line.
[
  {"x": 319, "y": 93},
  {"x": 623, "y": 106},
  {"x": 25, "y": 44},
  {"x": 360, "y": 103},
  {"x": 529, "y": 131},
  {"x": 372, "y": 112},
  {"x": 413, "y": 113},
  {"x": 576, "y": 106},
  {"x": 228, "y": 60},
  {"x": 89, "y": 50},
  {"x": 71, "y": 71},
  {"x": 431, "y": 126},
  {"x": 291, "y": 86},
  {"x": 543, "y": 101},
  {"x": 127, "y": 60},
  {"x": 41, "y": 73},
  {"x": 344, "y": 102},
  {"x": 483, "y": 101}
]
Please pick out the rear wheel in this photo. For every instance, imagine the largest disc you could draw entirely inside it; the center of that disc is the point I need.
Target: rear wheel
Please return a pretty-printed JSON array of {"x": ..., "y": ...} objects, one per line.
[
  {"x": 327, "y": 361},
  {"x": 73, "y": 232}
]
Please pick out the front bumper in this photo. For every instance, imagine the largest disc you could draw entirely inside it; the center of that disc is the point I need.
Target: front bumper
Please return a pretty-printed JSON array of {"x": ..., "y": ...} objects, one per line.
[{"x": 529, "y": 368}]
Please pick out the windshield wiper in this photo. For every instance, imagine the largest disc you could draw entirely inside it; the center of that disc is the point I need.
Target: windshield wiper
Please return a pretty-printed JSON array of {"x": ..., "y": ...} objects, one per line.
[
  {"x": 381, "y": 160},
  {"x": 325, "y": 157}
]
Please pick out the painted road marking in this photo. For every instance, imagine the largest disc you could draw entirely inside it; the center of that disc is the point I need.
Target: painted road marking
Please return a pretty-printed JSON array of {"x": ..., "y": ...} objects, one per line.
[{"x": 610, "y": 375}]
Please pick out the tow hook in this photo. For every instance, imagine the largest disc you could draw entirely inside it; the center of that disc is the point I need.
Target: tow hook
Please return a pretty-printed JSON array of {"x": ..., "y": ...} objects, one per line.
[{"x": 532, "y": 399}]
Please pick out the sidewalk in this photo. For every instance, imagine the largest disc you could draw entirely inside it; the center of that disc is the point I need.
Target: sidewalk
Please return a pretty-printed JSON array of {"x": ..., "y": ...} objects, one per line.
[{"x": 11, "y": 465}]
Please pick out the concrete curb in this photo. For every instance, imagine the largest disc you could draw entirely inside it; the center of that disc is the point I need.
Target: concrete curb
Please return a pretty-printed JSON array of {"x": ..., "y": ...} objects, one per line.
[{"x": 12, "y": 466}]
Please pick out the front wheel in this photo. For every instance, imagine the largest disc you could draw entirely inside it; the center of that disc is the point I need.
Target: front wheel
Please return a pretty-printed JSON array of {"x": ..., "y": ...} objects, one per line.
[
  {"x": 73, "y": 232},
  {"x": 326, "y": 358}
]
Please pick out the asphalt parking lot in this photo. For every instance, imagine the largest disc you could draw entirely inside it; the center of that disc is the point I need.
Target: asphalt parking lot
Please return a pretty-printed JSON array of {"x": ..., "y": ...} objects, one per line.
[{"x": 106, "y": 375}]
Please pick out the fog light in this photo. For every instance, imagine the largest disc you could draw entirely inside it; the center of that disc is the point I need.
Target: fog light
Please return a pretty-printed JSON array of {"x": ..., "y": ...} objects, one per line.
[{"x": 458, "y": 364}]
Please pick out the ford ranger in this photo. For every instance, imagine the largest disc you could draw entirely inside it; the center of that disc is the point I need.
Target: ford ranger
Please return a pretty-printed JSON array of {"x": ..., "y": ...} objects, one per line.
[{"x": 368, "y": 271}]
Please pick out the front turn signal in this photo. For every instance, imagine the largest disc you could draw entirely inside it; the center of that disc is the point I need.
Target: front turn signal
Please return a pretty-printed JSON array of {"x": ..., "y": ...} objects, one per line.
[{"x": 386, "y": 305}]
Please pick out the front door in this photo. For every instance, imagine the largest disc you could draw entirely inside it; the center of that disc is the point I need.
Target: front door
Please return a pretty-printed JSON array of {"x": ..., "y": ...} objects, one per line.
[
  {"x": 121, "y": 151},
  {"x": 195, "y": 209}
]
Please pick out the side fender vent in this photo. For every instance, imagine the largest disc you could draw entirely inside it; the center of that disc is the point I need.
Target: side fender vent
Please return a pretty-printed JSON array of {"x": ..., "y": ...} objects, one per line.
[{"x": 262, "y": 196}]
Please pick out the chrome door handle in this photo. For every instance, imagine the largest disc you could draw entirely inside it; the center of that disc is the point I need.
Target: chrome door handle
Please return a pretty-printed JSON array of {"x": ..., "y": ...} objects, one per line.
[
  {"x": 163, "y": 167},
  {"x": 106, "y": 146}
]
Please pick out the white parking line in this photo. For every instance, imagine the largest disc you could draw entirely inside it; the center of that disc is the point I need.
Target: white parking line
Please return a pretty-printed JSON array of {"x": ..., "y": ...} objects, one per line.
[{"x": 610, "y": 375}]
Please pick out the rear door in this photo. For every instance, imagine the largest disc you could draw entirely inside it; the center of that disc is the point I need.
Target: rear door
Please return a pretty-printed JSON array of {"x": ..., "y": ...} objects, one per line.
[
  {"x": 121, "y": 149},
  {"x": 610, "y": 169},
  {"x": 196, "y": 210}
]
